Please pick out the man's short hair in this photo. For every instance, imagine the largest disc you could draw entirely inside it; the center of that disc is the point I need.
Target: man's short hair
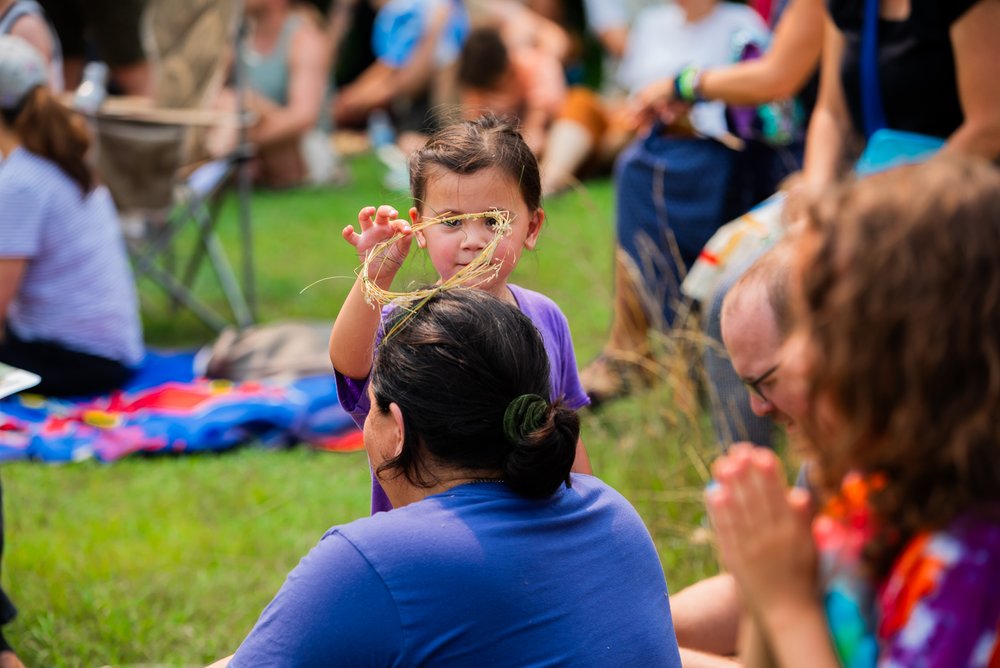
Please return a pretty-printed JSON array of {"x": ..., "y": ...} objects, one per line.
[{"x": 770, "y": 271}]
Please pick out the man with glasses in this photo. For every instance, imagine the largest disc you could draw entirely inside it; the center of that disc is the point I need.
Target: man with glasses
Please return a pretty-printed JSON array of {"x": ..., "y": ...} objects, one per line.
[{"x": 755, "y": 324}]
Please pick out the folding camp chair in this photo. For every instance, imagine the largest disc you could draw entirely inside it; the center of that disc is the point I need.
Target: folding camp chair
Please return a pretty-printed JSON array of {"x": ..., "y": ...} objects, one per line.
[{"x": 144, "y": 147}]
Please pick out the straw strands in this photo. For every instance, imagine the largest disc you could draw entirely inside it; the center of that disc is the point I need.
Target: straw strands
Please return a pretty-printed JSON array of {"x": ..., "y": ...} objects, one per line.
[{"x": 481, "y": 269}]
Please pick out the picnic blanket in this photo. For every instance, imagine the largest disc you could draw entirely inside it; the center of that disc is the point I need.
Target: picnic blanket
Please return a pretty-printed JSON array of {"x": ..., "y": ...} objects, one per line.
[{"x": 166, "y": 409}]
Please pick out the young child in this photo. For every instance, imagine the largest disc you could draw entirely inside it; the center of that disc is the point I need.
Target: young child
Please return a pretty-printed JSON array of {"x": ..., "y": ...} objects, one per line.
[
  {"x": 897, "y": 340},
  {"x": 472, "y": 167}
]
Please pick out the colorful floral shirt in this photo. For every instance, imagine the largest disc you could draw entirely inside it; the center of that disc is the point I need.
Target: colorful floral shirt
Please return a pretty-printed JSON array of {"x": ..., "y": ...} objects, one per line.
[{"x": 939, "y": 605}]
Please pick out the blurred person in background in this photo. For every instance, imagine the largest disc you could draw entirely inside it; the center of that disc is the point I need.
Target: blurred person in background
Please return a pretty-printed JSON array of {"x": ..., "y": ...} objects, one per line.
[
  {"x": 286, "y": 60},
  {"x": 938, "y": 74},
  {"x": 68, "y": 307},
  {"x": 524, "y": 82},
  {"x": 26, "y": 19},
  {"x": 787, "y": 72},
  {"x": 416, "y": 45},
  {"x": 679, "y": 182},
  {"x": 114, "y": 26}
]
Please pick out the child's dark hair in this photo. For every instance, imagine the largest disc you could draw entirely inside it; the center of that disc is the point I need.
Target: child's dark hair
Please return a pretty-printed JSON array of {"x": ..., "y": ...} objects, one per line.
[
  {"x": 468, "y": 147},
  {"x": 454, "y": 370},
  {"x": 484, "y": 59},
  {"x": 901, "y": 296}
]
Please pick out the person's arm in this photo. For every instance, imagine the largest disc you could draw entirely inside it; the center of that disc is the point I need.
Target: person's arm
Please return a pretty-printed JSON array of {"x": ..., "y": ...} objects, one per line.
[
  {"x": 831, "y": 132},
  {"x": 33, "y": 30},
  {"x": 352, "y": 339},
  {"x": 778, "y": 74},
  {"x": 977, "y": 52},
  {"x": 11, "y": 273},
  {"x": 221, "y": 663},
  {"x": 706, "y": 615},
  {"x": 781, "y": 71},
  {"x": 308, "y": 64},
  {"x": 381, "y": 81}
]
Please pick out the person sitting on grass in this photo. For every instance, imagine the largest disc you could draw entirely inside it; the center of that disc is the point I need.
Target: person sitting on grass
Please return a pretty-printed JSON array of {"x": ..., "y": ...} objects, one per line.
[
  {"x": 494, "y": 554},
  {"x": 896, "y": 296},
  {"x": 287, "y": 64},
  {"x": 756, "y": 321},
  {"x": 68, "y": 304}
]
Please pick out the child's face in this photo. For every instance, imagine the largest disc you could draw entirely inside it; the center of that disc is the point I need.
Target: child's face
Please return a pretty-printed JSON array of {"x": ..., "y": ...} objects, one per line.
[{"x": 452, "y": 246}]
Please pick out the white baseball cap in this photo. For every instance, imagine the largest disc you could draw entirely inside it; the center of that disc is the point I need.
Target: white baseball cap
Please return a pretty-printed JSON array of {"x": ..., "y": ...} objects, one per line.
[{"x": 22, "y": 68}]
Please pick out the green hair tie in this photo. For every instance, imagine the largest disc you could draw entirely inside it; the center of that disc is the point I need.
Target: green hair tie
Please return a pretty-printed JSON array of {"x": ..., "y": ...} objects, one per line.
[{"x": 524, "y": 415}]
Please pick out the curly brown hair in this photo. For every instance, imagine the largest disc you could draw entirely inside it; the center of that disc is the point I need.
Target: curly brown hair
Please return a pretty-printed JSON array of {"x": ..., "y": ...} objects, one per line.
[{"x": 900, "y": 280}]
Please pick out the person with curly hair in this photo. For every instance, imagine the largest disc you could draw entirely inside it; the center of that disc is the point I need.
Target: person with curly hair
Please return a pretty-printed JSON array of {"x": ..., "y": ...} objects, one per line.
[{"x": 896, "y": 296}]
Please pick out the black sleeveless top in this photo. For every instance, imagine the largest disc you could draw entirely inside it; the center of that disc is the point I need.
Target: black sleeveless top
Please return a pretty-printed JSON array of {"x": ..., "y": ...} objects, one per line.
[{"x": 916, "y": 65}]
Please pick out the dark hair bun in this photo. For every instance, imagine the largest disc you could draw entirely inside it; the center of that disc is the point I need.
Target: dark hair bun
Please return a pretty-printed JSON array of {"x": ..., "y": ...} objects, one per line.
[{"x": 540, "y": 460}]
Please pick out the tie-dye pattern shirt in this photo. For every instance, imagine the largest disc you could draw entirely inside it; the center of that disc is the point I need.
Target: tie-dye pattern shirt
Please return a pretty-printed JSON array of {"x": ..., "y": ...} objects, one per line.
[{"x": 939, "y": 605}]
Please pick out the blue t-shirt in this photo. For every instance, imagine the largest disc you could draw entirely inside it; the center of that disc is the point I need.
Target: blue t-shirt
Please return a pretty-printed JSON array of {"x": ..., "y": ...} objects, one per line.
[
  {"x": 477, "y": 575},
  {"x": 401, "y": 25}
]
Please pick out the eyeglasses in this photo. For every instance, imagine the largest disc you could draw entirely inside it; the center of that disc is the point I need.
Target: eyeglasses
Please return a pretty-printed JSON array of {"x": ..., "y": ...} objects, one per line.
[{"x": 753, "y": 384}]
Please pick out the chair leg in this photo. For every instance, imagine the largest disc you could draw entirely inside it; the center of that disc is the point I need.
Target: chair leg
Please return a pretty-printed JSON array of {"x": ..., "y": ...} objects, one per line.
[{"x": 179, "y": 293}]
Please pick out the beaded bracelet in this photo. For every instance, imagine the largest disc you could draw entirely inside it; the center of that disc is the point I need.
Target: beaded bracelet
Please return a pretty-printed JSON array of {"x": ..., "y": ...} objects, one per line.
[{"x": 687, "y": 84}]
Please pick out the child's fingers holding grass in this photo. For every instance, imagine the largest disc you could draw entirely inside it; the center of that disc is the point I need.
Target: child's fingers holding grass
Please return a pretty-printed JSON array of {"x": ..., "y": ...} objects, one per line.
[
  {"x": 378, "y": 253},
  {"x": 365, "y": 221},
  {"x": 377, "y": 225}
]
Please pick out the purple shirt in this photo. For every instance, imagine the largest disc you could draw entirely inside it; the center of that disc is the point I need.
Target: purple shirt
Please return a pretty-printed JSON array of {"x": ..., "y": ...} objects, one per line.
[{"x": 563, "y": 375}]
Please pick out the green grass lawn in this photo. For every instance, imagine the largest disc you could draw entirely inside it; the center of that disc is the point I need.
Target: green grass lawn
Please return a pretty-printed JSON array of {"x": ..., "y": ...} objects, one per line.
[{"x": 169, "y": 560}]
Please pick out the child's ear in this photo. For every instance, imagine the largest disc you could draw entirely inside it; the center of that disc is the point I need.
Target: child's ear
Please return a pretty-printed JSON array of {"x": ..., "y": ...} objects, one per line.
[
  {"x": 415, "y": 219},
  {"x": 534, "y": 228}
]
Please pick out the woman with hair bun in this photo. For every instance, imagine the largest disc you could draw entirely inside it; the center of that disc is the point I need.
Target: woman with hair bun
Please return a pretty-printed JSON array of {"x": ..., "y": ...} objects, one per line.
[
  {"x": 494, "y": 553},
  {"x": 68, "y": 305}
]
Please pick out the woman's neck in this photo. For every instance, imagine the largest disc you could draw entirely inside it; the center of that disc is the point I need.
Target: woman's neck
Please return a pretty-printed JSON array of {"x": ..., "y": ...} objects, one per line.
[
  {"x": 402, "y": 493},
  {"x": 699, "y": 9},
  {"x": 8, "y": 140},
  {"x": 895, "y": 10},
  {"x": 266, "y": 27}
]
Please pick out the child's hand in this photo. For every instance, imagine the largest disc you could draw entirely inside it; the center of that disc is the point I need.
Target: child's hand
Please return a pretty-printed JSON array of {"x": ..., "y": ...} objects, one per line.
[
  {"x": 763, "y": 530},
  {"x": 378, "y": 225}
]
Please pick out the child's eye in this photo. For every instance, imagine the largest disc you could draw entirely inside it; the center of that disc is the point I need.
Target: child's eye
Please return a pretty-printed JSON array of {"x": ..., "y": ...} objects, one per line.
[
  {"x": 452, "y": 222},
  {"x": 495, "y": 218}
]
